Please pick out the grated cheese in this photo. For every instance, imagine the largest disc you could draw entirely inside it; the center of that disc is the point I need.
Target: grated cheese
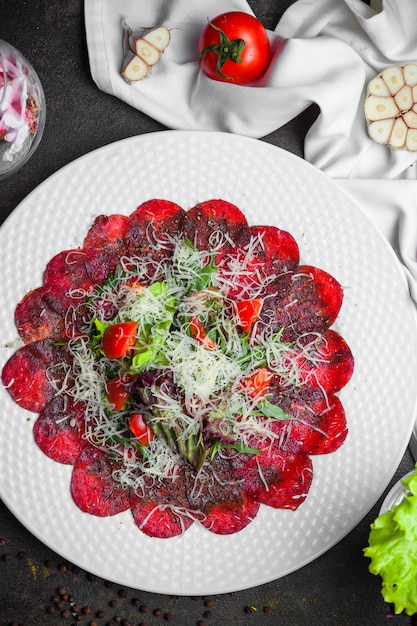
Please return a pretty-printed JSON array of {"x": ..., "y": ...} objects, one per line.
[{"x": 162, "y": 296}]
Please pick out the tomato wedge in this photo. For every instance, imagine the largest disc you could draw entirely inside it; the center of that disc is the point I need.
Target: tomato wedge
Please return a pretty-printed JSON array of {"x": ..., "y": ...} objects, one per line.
[
  {"x": 200, "y": 334},
  {"x": 257, "y": 384},
  {"x": 117, "y": 393},
  {"x": 143, "y": 433},
  {"x": 119, "y": 339},
  {"x": 248, "y": 312}
]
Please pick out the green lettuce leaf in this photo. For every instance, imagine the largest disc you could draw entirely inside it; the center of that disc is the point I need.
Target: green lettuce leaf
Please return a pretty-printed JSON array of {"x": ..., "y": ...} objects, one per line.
[{"x": 392, "y": 548}]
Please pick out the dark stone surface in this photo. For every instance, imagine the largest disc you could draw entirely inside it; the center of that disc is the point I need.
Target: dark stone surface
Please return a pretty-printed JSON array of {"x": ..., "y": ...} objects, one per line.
[{"x": 335, "y": 589}]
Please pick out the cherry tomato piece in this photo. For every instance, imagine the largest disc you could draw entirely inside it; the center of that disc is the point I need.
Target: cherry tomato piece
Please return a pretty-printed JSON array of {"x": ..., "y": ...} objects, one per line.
[
  {"x": 117, "y": 393},
  {"x": 248, "y": 312},
  {"x": 257, "y": 384},
  {"x": 119, "y": 339},
  {"x": 143, "y": 433},
  {"x": 234, "y": 47},
  {"x": 200, "y": 334}
]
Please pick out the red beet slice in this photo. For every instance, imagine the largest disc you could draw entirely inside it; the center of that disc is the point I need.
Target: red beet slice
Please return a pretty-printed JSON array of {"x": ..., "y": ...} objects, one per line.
[
  {"x": 318, "y": 428},
  {"x": 157, "y": 519},
  {"x": 104, "y": 245},
  {"x": 159, "y": 212},
  {"x": 48, "y": 312},
  {"x": 276, "y": 478},
  {"x": 67, "y": 269},
  {"x": 311, "y": 304},
  {"x": 152, "y": 228},
  {"x": 230, "y": 516},
  {"x": 100, "y": 264},
  {"x": 216, "y": 215},
  {"x": 222, "y": 505},
  {"x": 241, "y": 276},
  {"x": 279, "y": 251},
  {"x": 107, "y": 231},
  {"x": 331, "y": 365},
  {"x": 30, "y": 376},
  {"x": 328, "y": 291},
  {"x": 93, "y": 488},
  {"x": 163, "y": 510},
  {"x": 59, "y": 429}
]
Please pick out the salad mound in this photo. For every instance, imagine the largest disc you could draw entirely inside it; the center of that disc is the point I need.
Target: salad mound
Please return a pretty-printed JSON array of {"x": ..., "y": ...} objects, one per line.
[{"x": 184, "y": 363}]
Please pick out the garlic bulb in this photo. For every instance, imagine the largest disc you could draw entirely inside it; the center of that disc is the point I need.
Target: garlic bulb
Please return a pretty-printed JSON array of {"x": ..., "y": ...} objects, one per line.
[{"x": 391, "y": 107}]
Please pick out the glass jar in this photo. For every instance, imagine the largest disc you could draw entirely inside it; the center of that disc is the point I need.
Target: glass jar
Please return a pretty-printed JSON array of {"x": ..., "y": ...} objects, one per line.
[
  {"x": 22, "y": 110},
  {"x": 395, "y": 496}
]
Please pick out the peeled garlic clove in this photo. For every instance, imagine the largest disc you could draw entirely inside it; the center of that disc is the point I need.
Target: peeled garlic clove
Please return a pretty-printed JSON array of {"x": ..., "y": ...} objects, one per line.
[
  {"x": 377, "y": 87},
  {"x": 393, "y": 78},
  {"x": 410, "y": 118},
  {"x": 381, "y": 131},
  {"x": 411, "y": 141},
  {"x": 410, "y": 74},
  {"x": 404, "y": 98},
  {"x": 134, "y": 68},
  {"x": 399, "y": 133},
  {"x": 158, "y": 37},
  {"x": 147, "y": 52},
  {"x": 377, "y": 108}
]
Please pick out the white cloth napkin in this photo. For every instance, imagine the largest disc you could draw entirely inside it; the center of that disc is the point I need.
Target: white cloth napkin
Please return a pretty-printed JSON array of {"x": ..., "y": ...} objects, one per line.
[
  {"x": 333, "y": 48},
  {"x": 392, "y": 207}
]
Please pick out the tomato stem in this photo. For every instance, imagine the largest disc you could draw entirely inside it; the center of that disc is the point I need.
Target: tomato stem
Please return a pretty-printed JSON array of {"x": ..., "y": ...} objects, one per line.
[{"x": 226, "y": 50}]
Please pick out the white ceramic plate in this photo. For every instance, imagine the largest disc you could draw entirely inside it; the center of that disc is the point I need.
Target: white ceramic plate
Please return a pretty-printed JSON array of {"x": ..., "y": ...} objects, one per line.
[{"x": 270, "y": 186}]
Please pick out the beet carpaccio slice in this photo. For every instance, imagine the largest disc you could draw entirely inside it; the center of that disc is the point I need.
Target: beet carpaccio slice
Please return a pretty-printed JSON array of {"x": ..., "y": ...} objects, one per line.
[
  {"x": 232, "y": 458},
  {"x": 92, "y": 485}
]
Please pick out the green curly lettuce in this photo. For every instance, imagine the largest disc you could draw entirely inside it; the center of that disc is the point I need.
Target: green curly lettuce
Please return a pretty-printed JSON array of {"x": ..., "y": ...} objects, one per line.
[{"x": 392, "y": 548}]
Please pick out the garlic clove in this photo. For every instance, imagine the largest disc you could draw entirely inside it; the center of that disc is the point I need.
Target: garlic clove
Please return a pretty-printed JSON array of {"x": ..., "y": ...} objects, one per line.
[
  {"x": 377, "y": 87},
  {"x": 404, "y": 98},
  {"x": 394, "y": 78},
  {"x": 399, "y": 133},
  {"x": 410, "y": 74},
  {"x": 158, "y": 37},
  {"x": 411, "y": 141},
  {"x": 410, "y": 118},
  {"x": 134, "y": 68},
  {"x": 147, "y": 52},
  {"x": 142, "y": 50},
  {"x": 381, "y": 131},
  {"x": 379, "y": 108}
]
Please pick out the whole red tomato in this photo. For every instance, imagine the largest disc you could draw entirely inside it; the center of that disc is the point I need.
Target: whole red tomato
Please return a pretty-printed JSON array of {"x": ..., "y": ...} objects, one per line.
[{"x": 234, "y": 48}]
